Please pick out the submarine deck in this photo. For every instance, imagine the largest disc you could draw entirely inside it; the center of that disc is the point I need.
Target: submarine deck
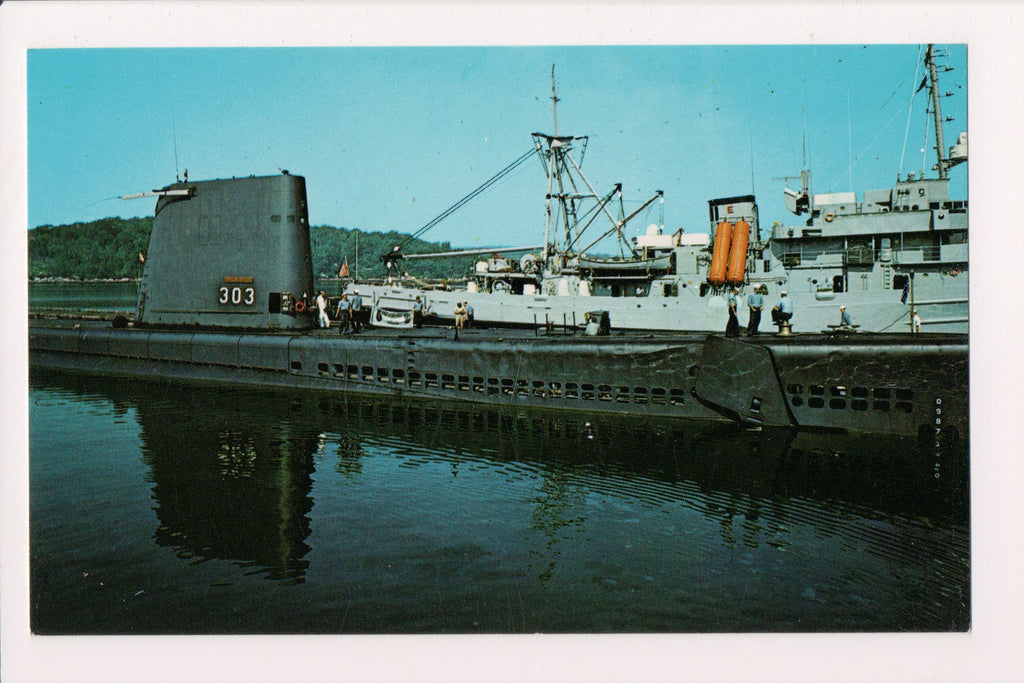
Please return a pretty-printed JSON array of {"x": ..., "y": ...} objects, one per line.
[{"x": 540, "y": 335}]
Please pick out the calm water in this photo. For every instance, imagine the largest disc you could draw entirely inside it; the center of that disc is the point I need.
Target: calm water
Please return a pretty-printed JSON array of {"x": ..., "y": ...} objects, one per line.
[
  {"x": 84, "y": 296},
  {"x": 160, "y": 508}
]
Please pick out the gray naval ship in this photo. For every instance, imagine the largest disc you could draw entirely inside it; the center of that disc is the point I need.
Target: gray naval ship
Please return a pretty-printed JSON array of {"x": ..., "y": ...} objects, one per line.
[{"x": 895, "y": 258}]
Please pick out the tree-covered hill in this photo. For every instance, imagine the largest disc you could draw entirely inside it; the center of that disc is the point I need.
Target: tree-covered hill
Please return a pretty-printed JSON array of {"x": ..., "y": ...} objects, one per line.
[{"x": 109, "y": 249}]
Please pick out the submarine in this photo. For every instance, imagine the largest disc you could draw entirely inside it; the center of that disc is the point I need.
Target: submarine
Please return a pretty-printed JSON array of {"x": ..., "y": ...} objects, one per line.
[{"x": 226, "y": 297}]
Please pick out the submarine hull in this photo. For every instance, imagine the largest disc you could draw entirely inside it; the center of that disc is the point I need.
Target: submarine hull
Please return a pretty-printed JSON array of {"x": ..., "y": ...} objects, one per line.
[{"x": 873, "y": 386}]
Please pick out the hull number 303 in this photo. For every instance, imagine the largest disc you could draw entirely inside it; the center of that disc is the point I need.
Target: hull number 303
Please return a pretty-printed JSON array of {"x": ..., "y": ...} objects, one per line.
[{"x": 237, "y": 295}]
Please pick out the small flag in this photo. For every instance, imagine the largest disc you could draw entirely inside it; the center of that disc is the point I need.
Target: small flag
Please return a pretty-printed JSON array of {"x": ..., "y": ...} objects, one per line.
[
  {"x": 924, "y": 82},
  {"x": 344, "y": 269},
  {"x": 906, "y": 292}
]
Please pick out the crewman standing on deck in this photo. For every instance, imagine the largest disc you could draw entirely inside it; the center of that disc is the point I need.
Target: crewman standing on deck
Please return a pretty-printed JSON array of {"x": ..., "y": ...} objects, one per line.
[
  {"x": 417, "y": 313},
  {"x": 732, "y": 328},
  {"x": 321, "y": 307},
  {"x": 755, "y": 302},
  {"x": 357, "y": 311},
  {"x": 342, "y": 314}
]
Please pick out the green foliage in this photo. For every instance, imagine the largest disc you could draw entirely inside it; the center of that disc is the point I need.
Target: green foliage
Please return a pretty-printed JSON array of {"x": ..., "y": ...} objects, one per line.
[{"x": 109, "y": 249}]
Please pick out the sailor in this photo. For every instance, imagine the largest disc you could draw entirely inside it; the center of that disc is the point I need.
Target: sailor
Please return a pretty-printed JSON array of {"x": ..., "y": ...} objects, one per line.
[
  {"x": 469, "y": 314},
  {"x": 460, "y": 315},
  {"x": 321, "y": 307},
  {"x": 357, "y": 311},
  {"x": 782, "y": 312},
  {"x": 755, "y": 302},
  {"x": 417, "y": 313},
  {"x": 844, "y": 317},
  {"x": 732, "y": 328},
  {"x": 916, "y": 319},
  {"x": 342, "y": 314}
]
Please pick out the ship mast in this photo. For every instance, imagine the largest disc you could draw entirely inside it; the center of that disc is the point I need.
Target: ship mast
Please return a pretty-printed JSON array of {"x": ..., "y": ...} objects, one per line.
[
  {"x": 947, "y": 157},
  {"x": 940, "y": 145},
  {"x": 554, "y": 99},
  {"x": 569, "y": 189}
]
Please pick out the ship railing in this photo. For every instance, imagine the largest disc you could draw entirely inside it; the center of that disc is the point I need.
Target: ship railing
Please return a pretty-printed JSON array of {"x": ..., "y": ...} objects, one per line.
[
  {"x": 923, "y": 254},
  {"x": 859, "y": 256}
]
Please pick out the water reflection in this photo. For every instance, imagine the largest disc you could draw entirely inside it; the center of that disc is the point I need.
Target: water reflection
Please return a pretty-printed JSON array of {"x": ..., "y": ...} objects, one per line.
[
  {"x": 229, "y": 488},
  {"x": 876, "y": 475},
  {"x": 233, "y": 473}
]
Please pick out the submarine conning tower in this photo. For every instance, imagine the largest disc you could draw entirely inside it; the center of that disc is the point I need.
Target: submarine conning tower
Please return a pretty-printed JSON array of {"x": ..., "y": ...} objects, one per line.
[{"x": 232, "y": 253}]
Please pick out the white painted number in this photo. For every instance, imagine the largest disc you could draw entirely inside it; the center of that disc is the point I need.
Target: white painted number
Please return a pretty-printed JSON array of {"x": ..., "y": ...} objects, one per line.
[{"x": 237, "y": 295}]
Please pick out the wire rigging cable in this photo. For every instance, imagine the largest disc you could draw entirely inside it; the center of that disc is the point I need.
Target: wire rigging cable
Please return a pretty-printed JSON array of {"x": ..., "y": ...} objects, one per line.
[{"x": 468, "y": 198}]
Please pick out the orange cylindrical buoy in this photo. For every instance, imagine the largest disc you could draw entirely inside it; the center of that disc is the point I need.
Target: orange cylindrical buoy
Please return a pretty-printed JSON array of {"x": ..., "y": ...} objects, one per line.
[
  {"x": 720, "y": 254},
  {"x": 738, "y": 253}
]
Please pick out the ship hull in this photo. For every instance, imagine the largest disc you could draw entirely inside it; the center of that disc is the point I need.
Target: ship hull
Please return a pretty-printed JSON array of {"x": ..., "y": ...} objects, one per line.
[
  {"x": 942, "y": 308},
  {"x": 673, "y": 376}
]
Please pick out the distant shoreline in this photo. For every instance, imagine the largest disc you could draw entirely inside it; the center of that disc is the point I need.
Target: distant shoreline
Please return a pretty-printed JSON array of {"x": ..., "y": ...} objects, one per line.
[
  {"x": 114, "y": 280},
  {"x": 77, "y": 281}
]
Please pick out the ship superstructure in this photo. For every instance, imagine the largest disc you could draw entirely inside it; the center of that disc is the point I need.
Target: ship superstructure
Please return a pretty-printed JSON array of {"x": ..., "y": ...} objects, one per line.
[{"x": 890, "y": 256}]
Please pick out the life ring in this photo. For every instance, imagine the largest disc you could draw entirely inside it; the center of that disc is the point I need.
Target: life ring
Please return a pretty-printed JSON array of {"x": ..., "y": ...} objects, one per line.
[
  {"x": 954, "y": 272},
  {"x": 300, "y": 306},
  {"x": 829, "y": 217}
]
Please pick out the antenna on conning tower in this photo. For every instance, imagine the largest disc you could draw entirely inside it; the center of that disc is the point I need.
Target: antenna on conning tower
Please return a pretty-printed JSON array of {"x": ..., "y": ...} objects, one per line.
[{"x": 174, "y": 134}]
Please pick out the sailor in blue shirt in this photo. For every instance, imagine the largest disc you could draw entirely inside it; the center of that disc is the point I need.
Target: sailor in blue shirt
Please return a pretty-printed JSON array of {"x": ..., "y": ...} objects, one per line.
[
  {"x": 732, "y": 328},
  {"x": 844, "y": 317},
  {"x": 783, "y": 311},
  {"x": 342, "y": 314},
  {"x": 755, "y": 302}
]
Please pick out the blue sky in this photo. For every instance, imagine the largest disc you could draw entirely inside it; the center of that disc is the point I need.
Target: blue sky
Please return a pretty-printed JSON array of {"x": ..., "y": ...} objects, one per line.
[{"x": 389, "y": 137}]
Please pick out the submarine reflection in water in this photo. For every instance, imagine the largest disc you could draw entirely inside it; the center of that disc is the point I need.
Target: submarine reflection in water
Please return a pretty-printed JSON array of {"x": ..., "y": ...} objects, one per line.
[
  {"x": 228, "y": 492},
  {"x": 233, "y": 471}
]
